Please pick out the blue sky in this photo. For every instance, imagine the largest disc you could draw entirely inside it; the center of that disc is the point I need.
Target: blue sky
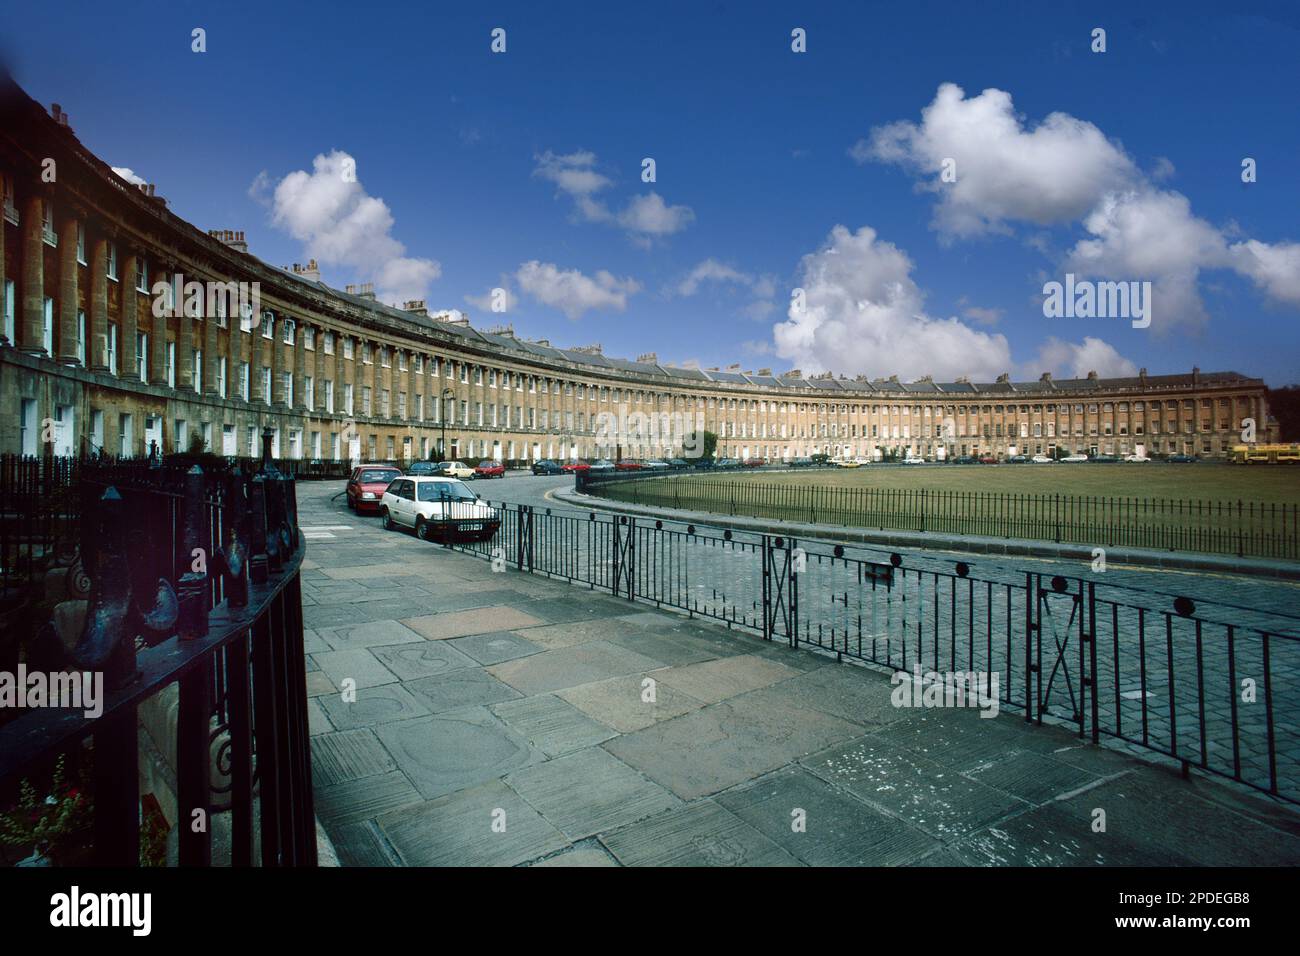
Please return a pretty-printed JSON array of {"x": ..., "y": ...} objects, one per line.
[{"x": 522, "y": 170}]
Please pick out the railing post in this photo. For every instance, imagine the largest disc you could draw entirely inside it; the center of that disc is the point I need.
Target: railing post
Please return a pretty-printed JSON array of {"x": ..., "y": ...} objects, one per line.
[
  {"x": 1031, "y": 597},
  {"x": 192, "y": 591},
  {"x": 117, "y": 790},
  {"x": 193, "y": 757}
]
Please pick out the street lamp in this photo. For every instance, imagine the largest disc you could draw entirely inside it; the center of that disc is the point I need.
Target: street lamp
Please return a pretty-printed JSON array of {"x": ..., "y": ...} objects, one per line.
[{"x": 442, "y": 442}]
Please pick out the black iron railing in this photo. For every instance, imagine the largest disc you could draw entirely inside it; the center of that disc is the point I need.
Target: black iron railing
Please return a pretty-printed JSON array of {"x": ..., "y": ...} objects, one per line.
[
  {"x": 1213, "y": 686},
  {"x": 190, "y": 578},
  {"x": 1241, "y": 528}
]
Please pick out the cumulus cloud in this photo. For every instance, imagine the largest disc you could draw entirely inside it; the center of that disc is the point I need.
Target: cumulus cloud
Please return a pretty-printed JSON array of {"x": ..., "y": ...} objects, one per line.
[
  {"x": 1066, "y": 171},
  {"x": 649, "y": 217},
  {"x": 338, "y": 223},
  {"x": 1152, "y": 235},
  {"x": 575, "y": 175},
  {"x": 1005, "y": 171},
  {"x": 645, "y": 218},
  {"x": 762, "y": 287},
  {"x": 863, "y": 313},
  {"x": 1274, "y": 268},
  {"x": 130, "y": 176},
  {"x": 572, "y": 292},
  {"x": 1077, "y": 359}
]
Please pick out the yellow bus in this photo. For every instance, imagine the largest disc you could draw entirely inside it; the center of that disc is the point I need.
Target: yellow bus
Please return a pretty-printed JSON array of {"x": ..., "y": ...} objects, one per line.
[{"x": 1266, "y": 454}]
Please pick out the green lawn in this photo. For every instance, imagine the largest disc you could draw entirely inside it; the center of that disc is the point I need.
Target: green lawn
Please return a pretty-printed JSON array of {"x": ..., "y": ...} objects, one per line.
[{"x": 1227, "y": 509}]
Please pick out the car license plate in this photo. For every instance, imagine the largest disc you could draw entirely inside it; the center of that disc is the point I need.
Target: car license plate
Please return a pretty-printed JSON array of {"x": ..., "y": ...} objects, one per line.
[{"x": 471, "y": 526}]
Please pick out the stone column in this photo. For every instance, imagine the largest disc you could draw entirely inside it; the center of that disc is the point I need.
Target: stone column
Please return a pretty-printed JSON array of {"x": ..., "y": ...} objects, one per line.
[
  {"x": 67, "y": 343},
  {"x": 340, "y": 376},
  {"x": 412, "y": 384},
  {"x": 126, "y": 357},
  {"x": 211, "y": 337},
  {"x": 184, "y": 342},
  {"x": 256, "y": 394},
  {"x": 98, "y": 345},
  {"x": 158, "y": 348},
  {"x": 33, "y": 317},
  {"x": 300, "y": 368},
  {"x": 376, "y": 382},
  {"x": 4, "y": 339},
  {"x": 321, "y": 370},
  {"x": 277, "y": 379}
]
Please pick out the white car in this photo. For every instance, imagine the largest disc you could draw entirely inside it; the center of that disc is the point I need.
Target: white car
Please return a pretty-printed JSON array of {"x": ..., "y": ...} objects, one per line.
[
  {"x": 435, "y": 508},
  {"x": 862, "y": 461},
  {"x": 913, "y": 460},
  {"x": 1041, "y": 460},
  {"x": 1075, "y": 458},
  {"x": 455, "y": 469},
  {"x": 1136, "y": 458}
]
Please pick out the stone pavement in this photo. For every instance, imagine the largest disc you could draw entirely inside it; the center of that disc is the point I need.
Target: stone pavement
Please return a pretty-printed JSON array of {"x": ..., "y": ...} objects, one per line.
[{"x": 505, "y": 719}]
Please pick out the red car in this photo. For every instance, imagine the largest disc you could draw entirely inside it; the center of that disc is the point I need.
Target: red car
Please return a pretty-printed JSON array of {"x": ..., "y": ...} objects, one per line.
[
  {"x": 988, "y": 460},
  {"x": 490, "y": 469},
  {"x": 628, "y": 465},
  {"x": 367, "y": 485},
  {"x": 755, "y": 462},
  {"x": 572, "y": 466}
]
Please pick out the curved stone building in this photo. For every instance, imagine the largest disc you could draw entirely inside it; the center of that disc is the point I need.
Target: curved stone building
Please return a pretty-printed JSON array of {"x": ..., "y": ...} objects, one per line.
[{"x": 108, "y": 344}]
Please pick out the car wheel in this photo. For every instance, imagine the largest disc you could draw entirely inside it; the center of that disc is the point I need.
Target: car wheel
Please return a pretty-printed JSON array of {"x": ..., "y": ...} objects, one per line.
[
  {"x": 387, "y": 520},
  {"x": 422, "y": 530}
]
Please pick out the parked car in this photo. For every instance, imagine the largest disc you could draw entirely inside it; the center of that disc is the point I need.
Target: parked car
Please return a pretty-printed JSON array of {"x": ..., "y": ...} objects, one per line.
[
  {"x": 628, "y": 464},
  {"x": 544, "y": 466},
  {"x": 821, "y": 460},
  {"x": 437, "y": 508},
  {"x": 569, "y": 467},
  {"x": 603, "y": 466},
  {"x": 913, "y": 460},
  {"x": 965, "y": 460},
  {"x": 728, "y": 463},
  {"x": 678, "y": 464},
  {"x": 367, "y": 485},
  {"x": 1181, "y": 459},
  {"x": 490, "y": 469},
  {"x": 1105, "y": 459},
  {"x": 1018, "y": 460},
  {"x": 1136, "y": 458},
  {"x": 423, "y": 468},
  {"x": 803, "y": 462},
  {"x": 1041, "y": 460},
  {"x": 656, "y": 464},
  {"x": 988, "y": 459},
  {"x": 455, "y": 469},
  {"x": 1075, "y": 459},
  {"x": 755, "y": 462},
  {"x": 845, "y": 463}
]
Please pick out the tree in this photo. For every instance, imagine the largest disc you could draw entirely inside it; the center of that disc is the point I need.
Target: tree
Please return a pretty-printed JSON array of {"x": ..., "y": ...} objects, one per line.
[{"x": 710, "y": 446}]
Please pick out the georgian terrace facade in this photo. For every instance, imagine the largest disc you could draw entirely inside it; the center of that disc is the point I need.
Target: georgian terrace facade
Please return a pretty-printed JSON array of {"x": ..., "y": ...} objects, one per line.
[{"x": 87, "y": 363}]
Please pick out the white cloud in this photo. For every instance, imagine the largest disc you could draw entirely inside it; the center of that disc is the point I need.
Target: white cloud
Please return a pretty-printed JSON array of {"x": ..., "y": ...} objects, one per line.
[
  {"x": 1063, "y": 171},
  {"x": 710, "y": 270},
  {"x": 1077, "y": 359},
  {"x": 329, "y": 211},
  {"x": 572, "y": 292},
  {"x": 130, "y": 176},
  {"x": 645, "y": 218},
  {"x": 648, "y": 216},
  {"x": 1274, "y": 268},
  {"x": 574, "y": 174},
  {"x": 1005, "y": 171},
  {"x": 1152, "y": 235},
  {"x": 864, "y": 314}
]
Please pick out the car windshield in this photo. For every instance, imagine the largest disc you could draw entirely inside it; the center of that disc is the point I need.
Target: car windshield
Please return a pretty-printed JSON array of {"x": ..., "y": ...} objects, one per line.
[
  {"x": 374, "y": 477},
  {"x": 487, "y": 464},
  {"x": 444, "y": 491}
]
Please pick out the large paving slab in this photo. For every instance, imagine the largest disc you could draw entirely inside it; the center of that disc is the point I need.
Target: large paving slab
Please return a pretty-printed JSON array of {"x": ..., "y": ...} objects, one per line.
[
  {"x": 822, "y": 825},
  {"x": 449, "y": 752},
  {"x": 495, "y": 647},
  {"x": 359, "y": 666},
  {"x": 701, "y": 834},
  {"x": 552, "y": 725},
  {"x": 928, "y": 795},
  {"x": 724, "y": 744},
  {"x": 370, "y": 634},
  {"x": 487, "y": 825},
  {"x": 374, "y": 705},
  {"x": 570, "y": 666},
  {"x": 439, "y": 627},
  {"x": 461, "y": 688},
  {"x": 716, "y": 680},
  {"x": 611, "y": 794},
  {"x": 628, "y": 703},
  {"x": 422, "y": 659},
  {"x": 348, "y": 755}
]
